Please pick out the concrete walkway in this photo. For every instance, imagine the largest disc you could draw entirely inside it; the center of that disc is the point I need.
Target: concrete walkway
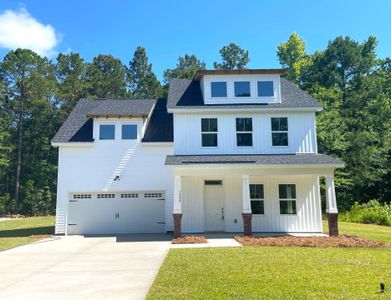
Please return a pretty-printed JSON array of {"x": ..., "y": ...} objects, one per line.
[{"x": 76, "y": 267}]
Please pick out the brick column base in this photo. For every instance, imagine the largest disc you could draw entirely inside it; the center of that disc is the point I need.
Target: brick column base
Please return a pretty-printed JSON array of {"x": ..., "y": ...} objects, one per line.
[
  {"x": 333, "y": 224},
  {"x": 247, "y": 223},
  {"x": 177, "y": 225}
]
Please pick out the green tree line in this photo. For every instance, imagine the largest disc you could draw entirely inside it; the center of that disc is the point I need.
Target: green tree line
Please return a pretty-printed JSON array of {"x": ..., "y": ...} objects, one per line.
[{"x": 37, "y": 94}]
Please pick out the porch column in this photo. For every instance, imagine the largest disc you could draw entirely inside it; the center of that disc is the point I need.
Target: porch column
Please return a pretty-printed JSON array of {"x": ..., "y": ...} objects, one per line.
[
  {"x": 331, "y": 206},
  {"x": 177, "y": 213},
  {"x": 246, "y": 212}
]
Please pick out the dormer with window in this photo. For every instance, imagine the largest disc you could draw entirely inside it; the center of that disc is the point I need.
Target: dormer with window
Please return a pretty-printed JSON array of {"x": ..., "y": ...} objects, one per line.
[{"x": 240, "y": 87}]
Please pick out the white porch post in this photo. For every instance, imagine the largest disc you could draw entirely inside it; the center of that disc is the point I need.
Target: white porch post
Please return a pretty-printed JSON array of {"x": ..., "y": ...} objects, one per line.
[
  {"x": 177, "y": 195},
  {"x": 177, "y": 211},
  {"x": 246, "y": 211},
  {"x": 246, "y": 194},
  {"x": 331, "y": 205}
]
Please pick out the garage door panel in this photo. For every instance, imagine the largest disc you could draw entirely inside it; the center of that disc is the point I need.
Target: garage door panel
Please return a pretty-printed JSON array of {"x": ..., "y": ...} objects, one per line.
[{"x": 116, "y": 215}]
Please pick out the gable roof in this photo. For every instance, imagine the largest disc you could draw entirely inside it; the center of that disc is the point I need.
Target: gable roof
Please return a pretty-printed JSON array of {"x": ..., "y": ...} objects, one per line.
[
  {"x": 201, "y": 73},
  {"x": 186, "y": 93},
  {"x": 78, "y": 127}
]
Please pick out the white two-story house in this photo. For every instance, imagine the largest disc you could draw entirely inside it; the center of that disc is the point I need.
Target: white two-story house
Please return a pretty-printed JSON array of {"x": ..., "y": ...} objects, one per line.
[{"x": 228, "y": 151}]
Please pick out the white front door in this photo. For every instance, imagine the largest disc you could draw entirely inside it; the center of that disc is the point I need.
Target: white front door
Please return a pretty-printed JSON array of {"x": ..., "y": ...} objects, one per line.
[{"x": 214, "y": 207}]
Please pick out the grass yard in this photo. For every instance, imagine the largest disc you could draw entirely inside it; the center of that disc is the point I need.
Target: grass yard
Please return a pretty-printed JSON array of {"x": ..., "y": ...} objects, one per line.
[
  {"x": 278, "y": 272},
  {"x": 18, "y": 231}
]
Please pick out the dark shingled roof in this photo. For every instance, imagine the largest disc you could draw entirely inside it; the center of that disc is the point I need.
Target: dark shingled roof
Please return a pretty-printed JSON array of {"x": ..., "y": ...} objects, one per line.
[
  {"x": 161, "y": 125},
  {"x": 185, "y": 93},
  {"x": 261, "y": 159},
  {"x": 118, "y": 107},
  {"x": 78, "y": 126}
]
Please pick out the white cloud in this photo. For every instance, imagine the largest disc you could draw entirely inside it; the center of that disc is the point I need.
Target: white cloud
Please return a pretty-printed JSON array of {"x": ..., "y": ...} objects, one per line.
[{"x": 18, "y": 29}]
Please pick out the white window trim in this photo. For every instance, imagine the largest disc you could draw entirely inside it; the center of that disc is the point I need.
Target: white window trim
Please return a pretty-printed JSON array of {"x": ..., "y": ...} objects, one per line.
[
  {"x": 226, "y": 90},
  {"x": 137, "y": 130},
  {"x": 265, "y": 97},
  {"x": 115, "y": 132},
  {"x": 258, "y": 199},
  {"x": 252, "y": 134},
  {"x": 210, "y": 132},
  {"x": 279, "y": 131},
  {"x": 241, "y": 97},
  {"x": 287, "y": 199}
]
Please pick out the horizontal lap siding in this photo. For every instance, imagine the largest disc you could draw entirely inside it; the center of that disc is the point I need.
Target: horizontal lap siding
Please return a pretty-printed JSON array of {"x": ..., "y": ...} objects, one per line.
[{"x": 301, "y": 134}]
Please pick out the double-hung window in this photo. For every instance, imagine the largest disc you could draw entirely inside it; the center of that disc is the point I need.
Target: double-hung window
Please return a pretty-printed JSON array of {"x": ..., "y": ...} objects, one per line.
[
  {"x": 107, "y": 132},
  {"x": 279, "y": 131},
  {"x": 244, "y": 132},
  {"x": 209, "y": 132},
  {"x": 287, "y": 195},
  {"x": 257, "y": 197}
]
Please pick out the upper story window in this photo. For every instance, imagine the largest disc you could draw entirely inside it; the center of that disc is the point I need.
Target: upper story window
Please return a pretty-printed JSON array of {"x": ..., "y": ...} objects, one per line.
[
  {"x": 244, "y": 132},
  {"x": 257, "y": 197},
  {"x": 219, "y": 89},
  {"x": 287, "y": 195},
  {"x": 265, "y": 88},
  {"x": 209, "y": 132},
  {"x": 129, "y": 132},
  {"x": 242, "y": 88},
  {"x": 107, "y": 132},
  {"x": 279, "y": 131}
]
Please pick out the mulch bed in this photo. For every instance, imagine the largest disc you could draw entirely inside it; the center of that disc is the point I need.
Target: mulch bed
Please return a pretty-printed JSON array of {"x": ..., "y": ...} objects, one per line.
[
  {"x": 339, "y": 241},
  {"x": 40, "y": 236},
  {"x": 190, "y": 239}
]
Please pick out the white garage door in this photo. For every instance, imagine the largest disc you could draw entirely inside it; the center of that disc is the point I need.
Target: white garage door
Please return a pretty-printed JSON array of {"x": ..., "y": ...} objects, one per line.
[{"x": 112, "y": 213}]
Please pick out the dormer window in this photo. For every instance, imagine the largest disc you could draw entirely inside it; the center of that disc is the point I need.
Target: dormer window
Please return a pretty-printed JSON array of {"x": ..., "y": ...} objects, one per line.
[
  {"x": 242, "y": 88},
  {"x": 107, "y": 132},
  {"x": 219, "y": 89},
  {"x": 265, "y": 89}
]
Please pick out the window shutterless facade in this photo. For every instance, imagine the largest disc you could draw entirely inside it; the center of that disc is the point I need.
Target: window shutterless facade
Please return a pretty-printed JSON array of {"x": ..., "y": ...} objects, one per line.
[
  {"x": 244, "y": 132},
  {"x": 257, "y": 198},
  {"x": 218, "y": 89},
  {"x": 287, "y": 195},
  {"x": 279, "y": 131},
  {"x": 265, "y": 88},
  {"x": 129, "y": 132},
  {"x": 209, "y": 132},
  {"x": 242, "y": 88},
  {"x": 107, "y": 132}
]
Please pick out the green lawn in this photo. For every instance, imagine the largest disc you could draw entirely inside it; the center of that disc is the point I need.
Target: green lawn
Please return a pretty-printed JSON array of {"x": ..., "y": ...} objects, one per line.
[
  {"x": 278, "y": 272},
  {"x": 17, "y": 232}
]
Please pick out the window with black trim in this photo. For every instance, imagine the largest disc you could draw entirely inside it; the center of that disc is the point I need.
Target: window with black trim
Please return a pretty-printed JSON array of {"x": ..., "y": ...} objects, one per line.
[
  {"x": 287, "y": 196},
  {"x": 244, "y": 132},
  {"x": 218, "y": 89},
  {"x": 265, "y": 88},
  {"x": 209, "y": 132},
  {"x": 107, "y": 132},
  {"x": 257, "y": 198},
  {"x": 242, "y": 88},
  {"x": 279, "y": 131}
]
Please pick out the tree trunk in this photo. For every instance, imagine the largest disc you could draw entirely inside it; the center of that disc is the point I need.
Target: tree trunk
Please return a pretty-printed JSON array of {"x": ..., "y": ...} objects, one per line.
[{"x": 20, "y": 141}]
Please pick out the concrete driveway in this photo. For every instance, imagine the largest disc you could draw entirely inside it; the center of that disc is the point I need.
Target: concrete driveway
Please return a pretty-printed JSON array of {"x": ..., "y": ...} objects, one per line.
[{"x": 76, "y": 267}]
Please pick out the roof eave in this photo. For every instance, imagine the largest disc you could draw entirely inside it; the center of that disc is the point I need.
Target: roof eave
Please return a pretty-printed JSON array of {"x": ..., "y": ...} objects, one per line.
[
  {"x": 190, "y": 109},
  {"x": 201, "y": 73}
]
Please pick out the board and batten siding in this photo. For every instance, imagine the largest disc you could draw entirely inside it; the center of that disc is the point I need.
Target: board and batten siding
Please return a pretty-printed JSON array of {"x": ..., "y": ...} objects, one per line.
[
  {"x": 301, "y": 134},
  {"x": 92, "y": 169},
  {"x": 308, "y": 217}
]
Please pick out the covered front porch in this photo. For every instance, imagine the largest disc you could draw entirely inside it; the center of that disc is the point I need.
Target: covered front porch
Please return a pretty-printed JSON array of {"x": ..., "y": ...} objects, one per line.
[{"x": 252, "y": 199}]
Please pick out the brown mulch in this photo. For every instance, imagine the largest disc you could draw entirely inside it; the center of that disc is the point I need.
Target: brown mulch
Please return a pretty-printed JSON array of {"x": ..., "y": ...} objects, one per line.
[
  {"x": 40, "y": 236},
  {"x": 339, "y": 241},
  {"x": 190, "y": 239}
]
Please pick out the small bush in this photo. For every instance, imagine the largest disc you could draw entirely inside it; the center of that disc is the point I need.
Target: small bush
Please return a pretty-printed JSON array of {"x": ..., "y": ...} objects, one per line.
[{"x": 369, "y": 213}]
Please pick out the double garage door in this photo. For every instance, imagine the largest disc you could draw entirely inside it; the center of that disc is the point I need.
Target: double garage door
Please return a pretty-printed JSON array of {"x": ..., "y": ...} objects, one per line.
[{"x": 115, "y": 213}]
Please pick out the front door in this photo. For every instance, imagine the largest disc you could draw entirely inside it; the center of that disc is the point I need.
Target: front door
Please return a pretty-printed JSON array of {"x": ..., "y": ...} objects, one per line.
[{"x": 214, "y": 206}]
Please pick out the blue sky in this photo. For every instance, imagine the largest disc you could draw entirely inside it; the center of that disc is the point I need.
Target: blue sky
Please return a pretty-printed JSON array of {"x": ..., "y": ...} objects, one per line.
[{"x": 168, "y": 29}]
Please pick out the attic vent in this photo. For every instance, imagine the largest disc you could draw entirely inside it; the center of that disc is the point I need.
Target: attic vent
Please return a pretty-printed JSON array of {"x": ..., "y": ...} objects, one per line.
[
  {"x": 153, "y": 195},
  {"x": 105, "y": 196},
  {"x": 130, "y": 195},
  {"x": 82, "y": 196}
]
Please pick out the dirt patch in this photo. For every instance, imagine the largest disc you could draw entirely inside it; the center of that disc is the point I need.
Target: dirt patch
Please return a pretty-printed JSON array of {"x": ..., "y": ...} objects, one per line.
[
  {"x": 40, "y": 236},
  {"x": 190, "y": 239},
  {"x": 339, "y": 241}
]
